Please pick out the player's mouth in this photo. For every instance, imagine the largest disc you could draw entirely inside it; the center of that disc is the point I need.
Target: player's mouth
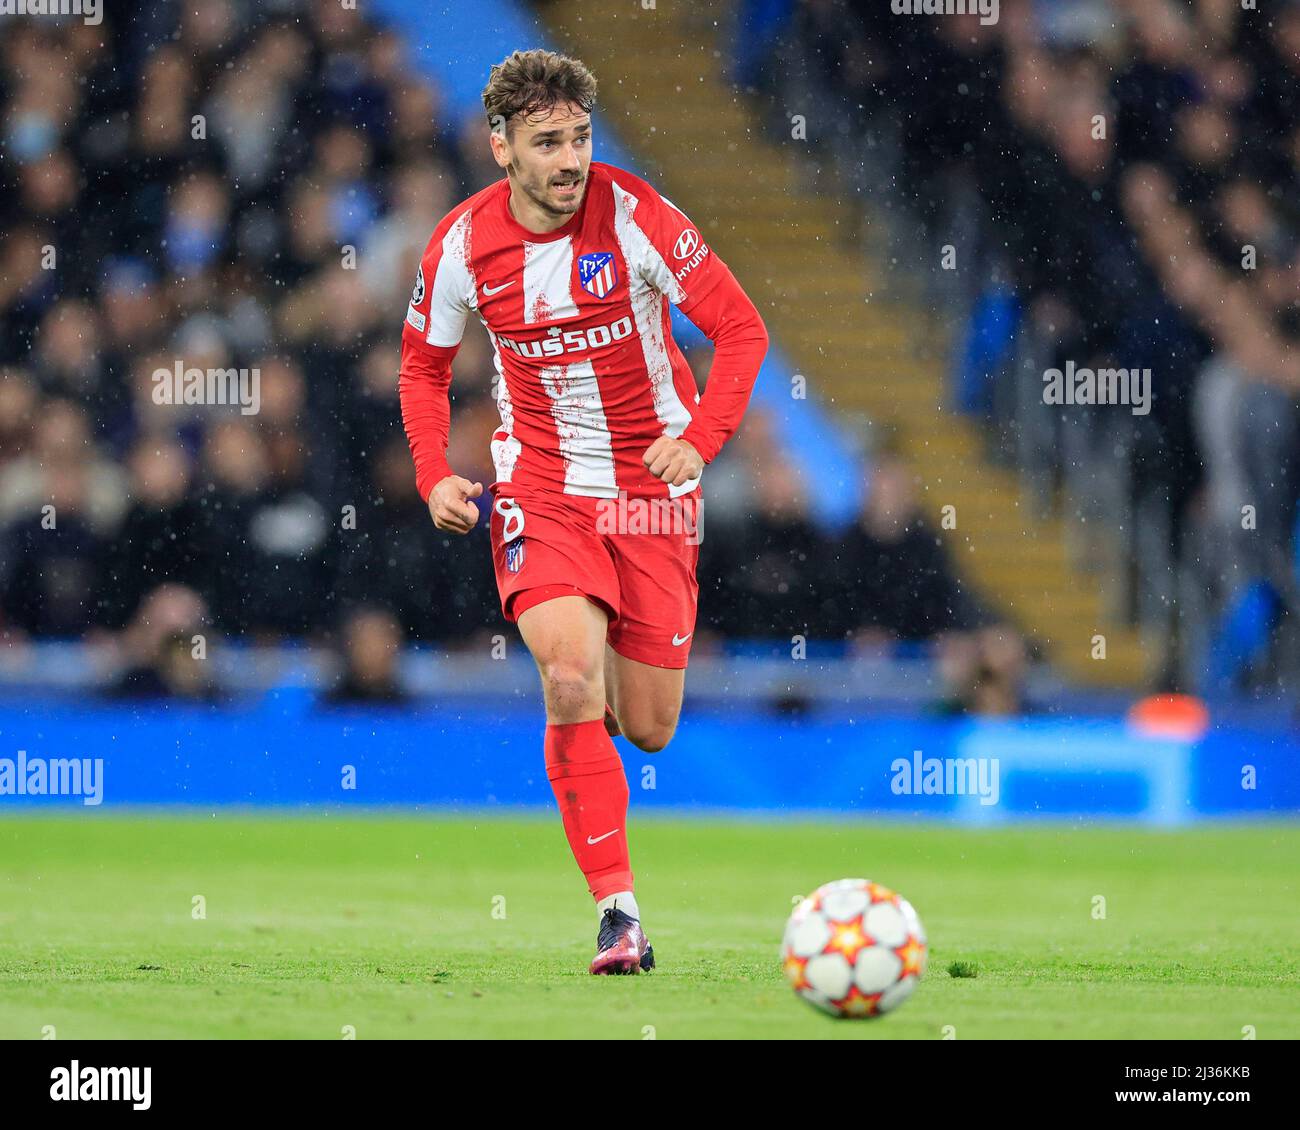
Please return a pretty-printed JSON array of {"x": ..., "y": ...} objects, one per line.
[{"x": 567, "y": 188}]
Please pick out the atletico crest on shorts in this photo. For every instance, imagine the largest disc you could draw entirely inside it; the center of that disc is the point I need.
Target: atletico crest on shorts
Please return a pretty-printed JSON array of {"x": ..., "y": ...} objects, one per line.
[
  {"x": 515, "y": 555},
  {"x": 597, "y": 273}
]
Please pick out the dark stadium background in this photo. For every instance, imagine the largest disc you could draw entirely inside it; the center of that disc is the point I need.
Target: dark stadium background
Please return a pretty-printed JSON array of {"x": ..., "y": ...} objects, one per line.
[{"x": 919, "y": 553}]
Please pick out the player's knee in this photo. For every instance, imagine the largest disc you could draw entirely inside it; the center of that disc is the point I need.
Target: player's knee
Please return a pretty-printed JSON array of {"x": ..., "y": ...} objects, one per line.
[
  {"x": 571, "y": 687},
  {"x": 649, "y": 737}
]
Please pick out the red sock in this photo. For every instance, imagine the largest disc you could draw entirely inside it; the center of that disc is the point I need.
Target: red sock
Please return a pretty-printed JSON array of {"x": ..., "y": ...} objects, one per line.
[{"x": 586, "y": 774}]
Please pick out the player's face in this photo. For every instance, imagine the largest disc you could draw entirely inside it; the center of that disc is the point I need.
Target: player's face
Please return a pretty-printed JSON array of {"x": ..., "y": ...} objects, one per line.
[{"x": 548, "y": 156}]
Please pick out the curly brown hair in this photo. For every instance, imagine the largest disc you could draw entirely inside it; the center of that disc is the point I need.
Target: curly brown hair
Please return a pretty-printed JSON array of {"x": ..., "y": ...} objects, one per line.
[{"x": 531, "y": 81}]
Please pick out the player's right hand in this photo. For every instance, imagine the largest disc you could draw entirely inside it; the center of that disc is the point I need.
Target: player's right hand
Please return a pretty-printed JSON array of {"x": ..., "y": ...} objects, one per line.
[{"x": 450, "y": 506}]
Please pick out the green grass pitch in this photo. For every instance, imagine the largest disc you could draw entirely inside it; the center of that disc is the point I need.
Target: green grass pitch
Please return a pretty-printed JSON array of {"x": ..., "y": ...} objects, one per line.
[{"x": 410, "y": 925}]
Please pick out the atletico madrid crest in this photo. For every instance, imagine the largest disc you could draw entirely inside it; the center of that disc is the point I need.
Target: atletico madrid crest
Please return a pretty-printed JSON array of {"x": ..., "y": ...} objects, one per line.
[
  {"x": 515, "y": 555},
  {"x": 597, "y": 273}
]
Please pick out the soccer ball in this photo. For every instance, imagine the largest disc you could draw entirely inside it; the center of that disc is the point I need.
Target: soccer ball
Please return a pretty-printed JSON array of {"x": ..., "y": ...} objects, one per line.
[{"x": 854, "y": 948}]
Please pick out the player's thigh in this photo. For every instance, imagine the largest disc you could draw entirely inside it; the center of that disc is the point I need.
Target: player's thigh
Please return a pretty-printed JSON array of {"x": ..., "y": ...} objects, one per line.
[
  {"x": 658, "y": 599},
  {"x": 647, "y": 700},
  {"x": 566, "y": 636},
  {"x": 543, "y": 542}
]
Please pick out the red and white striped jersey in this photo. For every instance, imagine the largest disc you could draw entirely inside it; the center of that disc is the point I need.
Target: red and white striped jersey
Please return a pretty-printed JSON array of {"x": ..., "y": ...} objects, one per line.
[{"x": 588, "y": 374}]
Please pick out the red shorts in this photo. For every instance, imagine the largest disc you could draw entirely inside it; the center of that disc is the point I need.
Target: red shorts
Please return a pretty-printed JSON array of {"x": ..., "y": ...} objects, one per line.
[{"x": 635, "y": 558}]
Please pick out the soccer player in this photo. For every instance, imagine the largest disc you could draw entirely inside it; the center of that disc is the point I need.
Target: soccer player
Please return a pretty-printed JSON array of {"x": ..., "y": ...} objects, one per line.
[{"x": 571, "y": 264}]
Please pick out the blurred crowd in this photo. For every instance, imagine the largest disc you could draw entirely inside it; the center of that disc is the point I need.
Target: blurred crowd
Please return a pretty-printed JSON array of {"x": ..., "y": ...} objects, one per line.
[
  {"x": 1129, "y": 171},
  {"x": 195, "y": 185},
  {"x": 189, "y": 185}
]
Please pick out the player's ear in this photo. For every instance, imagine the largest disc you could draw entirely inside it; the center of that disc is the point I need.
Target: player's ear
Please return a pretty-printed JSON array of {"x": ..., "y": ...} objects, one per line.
[{"x": 497, "y": 140}]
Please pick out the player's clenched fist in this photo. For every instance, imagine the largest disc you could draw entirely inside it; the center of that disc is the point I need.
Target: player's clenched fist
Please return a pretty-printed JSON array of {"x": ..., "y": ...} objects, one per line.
[
  {"x": 450, "y": 506},
  {"x": 673, "y": 460}
]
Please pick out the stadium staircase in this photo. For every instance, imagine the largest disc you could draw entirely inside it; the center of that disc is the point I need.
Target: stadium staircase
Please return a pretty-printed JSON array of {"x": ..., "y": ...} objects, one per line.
[{"x": 811, "y": 274}]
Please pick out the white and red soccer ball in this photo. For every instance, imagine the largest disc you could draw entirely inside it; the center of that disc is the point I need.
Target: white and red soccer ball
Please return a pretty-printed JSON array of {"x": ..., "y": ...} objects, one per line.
[{"x": 854, "y": 948}]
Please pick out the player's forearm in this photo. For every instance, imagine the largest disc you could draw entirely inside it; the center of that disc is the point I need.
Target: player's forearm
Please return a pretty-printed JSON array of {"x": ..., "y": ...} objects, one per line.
[
  {"x": 426, "y": 412},
  {"x": 729, "y": 319}
]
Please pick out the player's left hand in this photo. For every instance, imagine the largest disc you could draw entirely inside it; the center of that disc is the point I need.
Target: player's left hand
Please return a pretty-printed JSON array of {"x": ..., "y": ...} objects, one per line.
[{"x": 673, "y": 460}]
